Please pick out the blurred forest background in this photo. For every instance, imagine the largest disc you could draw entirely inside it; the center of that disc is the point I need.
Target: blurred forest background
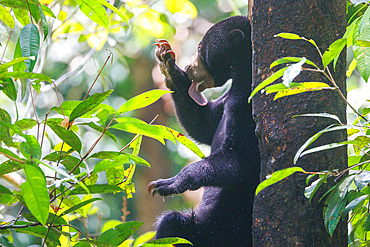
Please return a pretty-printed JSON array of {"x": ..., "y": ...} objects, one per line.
[{"x": 73, "y": 53}]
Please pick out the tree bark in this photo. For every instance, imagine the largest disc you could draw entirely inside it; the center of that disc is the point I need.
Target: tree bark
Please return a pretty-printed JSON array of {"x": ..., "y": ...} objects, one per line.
[{"x": 282, "y": 215}]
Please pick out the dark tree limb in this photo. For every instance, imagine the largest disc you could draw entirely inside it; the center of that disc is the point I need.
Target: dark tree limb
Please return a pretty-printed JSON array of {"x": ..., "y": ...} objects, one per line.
[{"x": 282, "y": 215}]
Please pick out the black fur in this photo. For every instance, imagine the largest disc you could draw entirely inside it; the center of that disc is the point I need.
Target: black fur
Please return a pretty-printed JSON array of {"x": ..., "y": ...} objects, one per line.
[{"x": 230, "y": 173}]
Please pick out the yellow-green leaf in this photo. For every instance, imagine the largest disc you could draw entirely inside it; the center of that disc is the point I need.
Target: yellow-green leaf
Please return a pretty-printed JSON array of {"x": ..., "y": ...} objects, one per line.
[
  {"x": 278, "y": 176},
  {"x": 182, "y": 6},
  {"x": 35, "y": 193},
  {"x": 142, "y": 100},
  {"x": 114, "y": 9},
  {"x": 185, "y": 141},
  {"x": 302, "y": 88},
  {"x": 95, "y": 11},
  {"x": 6, "y": 17},
  {"x": 351, "y": 67},
  {"x": 268, "y": 81}
]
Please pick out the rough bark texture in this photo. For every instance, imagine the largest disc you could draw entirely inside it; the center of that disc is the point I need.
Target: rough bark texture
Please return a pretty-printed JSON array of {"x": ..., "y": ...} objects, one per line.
[{"x": 282, "y": 215}]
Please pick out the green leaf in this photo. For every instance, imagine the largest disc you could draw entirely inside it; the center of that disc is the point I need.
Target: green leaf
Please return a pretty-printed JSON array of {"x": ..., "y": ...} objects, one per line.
[
  {"x": 68, "y": 136},
  {"x": 22, "y": 16},
  {"x": 56, "y": 219},
  {"x": 95, "y": 11},
  {"x": 5, "y": 195},
  {"x": 30, "y": 148},
  {"x": 362, "y": 54},
  {"x": 6, "y": 17},
  {"x": 143, "y": 128},
  {"x": 35, "y": 193},
  {"x": 88, "y": 104},
  {"x": 185, "y": 141},
  {"x": 363, "y": 43},
  {"x": 285, "y": 60},
  {"x": 73, "y": 200},
  {"x": 278, "y": 176},
  {"x": 323, "y": 114},
  {"x": 166, "y": 242},
  {"x": 79, "y": 205},
  {"x": 47, "y": 11},
  {"x": 10, "y": 89},
  {"x": 144, "y": 238},
  {"x": 313, "y": 138},
  {"x": 297, "y": 88},
  {"x": 268, "y": 81},
  {"x": 136, "y": 145},
  {"x": 94, "y": 243},
  {"x": 9, "y": 166},
  {"x": 351, "y": 67},
  {"x": 364, "y": 21},
  {"x": 34, "y": 10},
  {"x": 69, "y": 106},
  {"x": 97, "y": 189},
  {"x": 22, "y": 4},
  {"x": 295, "y": 36},
  {"x": 44, "y": 22},
  {"x": 25, "y": 75},
  {"x": 19, "y": 67},
  {"x": 123, "y": 158},
  {"x": 310, "y": 191},
  {"x": 355, "y": 203},
  {"x": 40, "y": 231},
  {"x": 142, "y": 100},
  {"x": 114, "y": 9},
  {"x": 4, "y": 66},
  {"x": 288, "y": 36},
  {"x": 4, "y": 241},
  {"x": 30, "y": 43},
  {"x": 336, "y": 204},
  {"x": 350, "y": 32},
  {"x": 120, "y": 233},
  {"x": 26, "y": 123},
  {"x": 322, "y": 148},
  {"x": 333, "y": 51}
]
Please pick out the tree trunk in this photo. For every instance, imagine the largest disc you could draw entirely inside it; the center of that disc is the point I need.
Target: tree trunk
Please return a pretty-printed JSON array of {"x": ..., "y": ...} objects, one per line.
[{"x": 282, "y": 215}]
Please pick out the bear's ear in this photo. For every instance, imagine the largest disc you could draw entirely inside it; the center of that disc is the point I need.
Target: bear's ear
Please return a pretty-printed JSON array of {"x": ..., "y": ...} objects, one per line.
[{"x": 235, "y": 37}]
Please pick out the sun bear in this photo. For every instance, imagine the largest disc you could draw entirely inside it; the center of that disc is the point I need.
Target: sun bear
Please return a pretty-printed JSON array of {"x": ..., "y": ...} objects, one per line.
[{"x": 230, "y": 174}]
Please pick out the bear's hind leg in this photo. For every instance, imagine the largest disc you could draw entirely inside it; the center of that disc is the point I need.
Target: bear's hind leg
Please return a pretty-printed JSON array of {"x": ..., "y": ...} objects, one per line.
[{"x": 178, "y": 224}]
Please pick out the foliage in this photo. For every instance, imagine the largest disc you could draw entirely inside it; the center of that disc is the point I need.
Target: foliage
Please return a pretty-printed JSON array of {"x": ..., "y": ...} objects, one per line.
[
  {"x": 351, "y": 193},
  {"x": 59, "y": 164}
]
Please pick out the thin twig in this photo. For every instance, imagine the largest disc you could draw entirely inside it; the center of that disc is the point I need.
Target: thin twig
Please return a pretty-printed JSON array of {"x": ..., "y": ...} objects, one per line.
[
  {"x": 59, "y": 102},
  {"x": 19, "y": 215},
  {"x": 12, "y": 158},
  {"x": 52, "y": 221},
  {"x": 96, "y": 78},
  {"x": 65, "y": 76},
  {"x": 43, "y": 131},
  {"x": 7, "y": 42},
  {"x": 331, "y": 79},
  {"x": 91, "y": 148},
  {"x": 29, "y": 11},
  {"x": 343, "y": 97}
]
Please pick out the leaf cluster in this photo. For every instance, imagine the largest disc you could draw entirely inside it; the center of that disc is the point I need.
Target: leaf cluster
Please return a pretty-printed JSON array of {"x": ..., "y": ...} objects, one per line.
[{"x": 59, "y": 165}]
